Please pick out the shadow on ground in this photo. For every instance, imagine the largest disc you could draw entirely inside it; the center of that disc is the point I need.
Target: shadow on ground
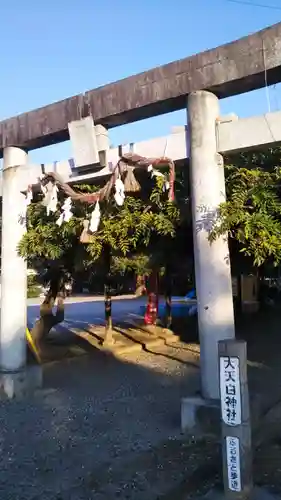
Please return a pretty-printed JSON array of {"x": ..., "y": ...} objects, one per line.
[
  {"x": 105, "y": 428},
  {"x": 100, "y": 428}
]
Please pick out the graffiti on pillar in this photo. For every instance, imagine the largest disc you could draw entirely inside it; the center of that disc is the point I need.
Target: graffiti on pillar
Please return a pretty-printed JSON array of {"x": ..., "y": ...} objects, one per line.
[
  {"x": 206, "y": 220},
  {"x": 207, "y": 217}
]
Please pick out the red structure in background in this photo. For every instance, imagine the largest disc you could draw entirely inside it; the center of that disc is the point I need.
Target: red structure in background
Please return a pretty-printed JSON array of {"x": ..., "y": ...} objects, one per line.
[{"x": 151, "y": 312}]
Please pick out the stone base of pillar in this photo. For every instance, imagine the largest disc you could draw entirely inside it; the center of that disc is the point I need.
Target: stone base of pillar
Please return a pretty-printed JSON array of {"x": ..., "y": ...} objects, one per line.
[
  {"x": 17, "y": 385},
  {"x": 200, "y": 416}
]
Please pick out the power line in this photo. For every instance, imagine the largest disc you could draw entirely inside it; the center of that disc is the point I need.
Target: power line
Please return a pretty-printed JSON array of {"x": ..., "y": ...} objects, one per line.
[{"x": 254, "y": 4}]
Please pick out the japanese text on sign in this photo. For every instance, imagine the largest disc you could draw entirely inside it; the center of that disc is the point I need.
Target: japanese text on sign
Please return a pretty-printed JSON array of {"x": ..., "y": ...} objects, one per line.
[
  {"x": 233, "y": 463},
  {"x": 230, "y": 390}
]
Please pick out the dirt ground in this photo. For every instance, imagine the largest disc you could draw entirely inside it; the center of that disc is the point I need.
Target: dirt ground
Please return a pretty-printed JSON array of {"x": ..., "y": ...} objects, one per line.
[
  {"x": 104, "y": 428},
  {"x": 101, "y": 428},
  {"x": 264, "y": 344},
  {"x": 263, "y": 335}
]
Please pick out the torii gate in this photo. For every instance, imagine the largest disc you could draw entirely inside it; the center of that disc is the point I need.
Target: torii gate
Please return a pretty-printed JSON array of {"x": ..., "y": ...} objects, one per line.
[{"x": 230, "y": 69}]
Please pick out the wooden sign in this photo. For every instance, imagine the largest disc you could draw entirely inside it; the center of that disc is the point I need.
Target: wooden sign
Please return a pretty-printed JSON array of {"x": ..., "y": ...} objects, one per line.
[{"x": 235, "y": 420}]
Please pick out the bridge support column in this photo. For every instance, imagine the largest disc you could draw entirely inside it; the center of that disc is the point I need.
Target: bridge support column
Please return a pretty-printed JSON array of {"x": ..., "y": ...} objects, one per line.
[
  {"x": 14, "y": 376},
  {"x": 212, "y": 265}
]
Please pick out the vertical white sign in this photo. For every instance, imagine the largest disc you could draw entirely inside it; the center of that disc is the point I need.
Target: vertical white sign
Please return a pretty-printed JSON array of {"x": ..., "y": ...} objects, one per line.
[
  {"x": 230, "y": 390},
  {"x": 83, "y": 140},
  {"x": 233, "y": 463}
]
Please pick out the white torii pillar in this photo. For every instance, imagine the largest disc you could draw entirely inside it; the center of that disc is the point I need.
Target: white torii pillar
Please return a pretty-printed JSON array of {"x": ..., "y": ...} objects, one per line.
[
  {"x": 212, "y": 265},
  {"x": 13, "y": 278}
]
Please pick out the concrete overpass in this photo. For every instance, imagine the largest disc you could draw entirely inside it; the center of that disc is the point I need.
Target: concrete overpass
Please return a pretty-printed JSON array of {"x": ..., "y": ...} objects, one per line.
[{"x": 233, "y": 134}]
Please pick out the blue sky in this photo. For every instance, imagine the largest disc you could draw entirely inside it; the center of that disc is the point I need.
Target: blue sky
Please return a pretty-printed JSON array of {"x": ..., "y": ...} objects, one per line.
[{"x": 54, "y": 49}]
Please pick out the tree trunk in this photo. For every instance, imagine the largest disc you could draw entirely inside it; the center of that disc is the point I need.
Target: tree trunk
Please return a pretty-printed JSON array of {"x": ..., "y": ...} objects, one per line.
[
  {"x": 108, "y": 339},
  {"x": 168, "y": 297},
  {"x": 140, "y": 285},
  {"x": 48, "y": 319}
]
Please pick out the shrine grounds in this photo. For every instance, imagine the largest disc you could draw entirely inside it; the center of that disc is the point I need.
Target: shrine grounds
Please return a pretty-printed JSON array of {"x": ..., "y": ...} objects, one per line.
[{"x": 106, "y": 428}]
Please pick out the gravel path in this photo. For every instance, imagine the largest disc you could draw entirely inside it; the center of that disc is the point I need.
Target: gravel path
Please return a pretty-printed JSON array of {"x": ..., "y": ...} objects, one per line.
[
  {"x": 104, "y": 429},
  {"x": 100, "y": 429}
]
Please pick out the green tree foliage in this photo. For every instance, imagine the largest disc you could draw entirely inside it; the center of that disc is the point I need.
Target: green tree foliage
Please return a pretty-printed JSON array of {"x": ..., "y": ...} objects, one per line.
[
  {"x": 57, "y": 253},
  {"x": 33, "y": 289},
  {"x": 251, "y": 215},
  {"x": 124, "y": 229},
  {"x": 148, "y": 232},
  {"x": 162, "y": 246},
  {"x": 134, "y": 225}
]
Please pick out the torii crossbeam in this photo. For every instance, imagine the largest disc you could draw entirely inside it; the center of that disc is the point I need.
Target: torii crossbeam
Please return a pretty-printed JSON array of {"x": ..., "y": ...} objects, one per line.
[{"x": 237, "y": 67}]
